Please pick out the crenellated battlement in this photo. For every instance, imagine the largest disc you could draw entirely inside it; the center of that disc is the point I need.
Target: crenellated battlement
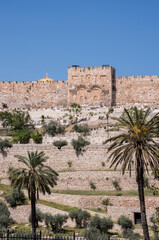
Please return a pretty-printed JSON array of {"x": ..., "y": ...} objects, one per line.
[
  {"x": 85, "y": 85},
  {"x": 79, "y": 69},
  {"x": 136, "y": 78}
]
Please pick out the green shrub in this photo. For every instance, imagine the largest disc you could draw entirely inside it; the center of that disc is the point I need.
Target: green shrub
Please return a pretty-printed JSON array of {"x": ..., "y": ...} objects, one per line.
[
  {"x": 16, "y": 120},
  {"x": 106, "y": 202},
  {"x": 5, "y": 219},
  {"x": 53, "y": 128},
  {"x": 81, "y": 128},
  {"x": 37, "y": 137},
  {"x": 146, "y": 182},
  {"x": 39, "y": 217},
  {"x": 125, "y": 223},
  {"x": 155, "y": 224},
  {"x": 116, "y": 184},
  {"x": 75, "y": 105},
  {"x": 92, "y": 186},
  {"x": 94, "y": 233},
  {"x": 101, "y": 117},
  {"x": 21, "y": 136},
  {"x": 127, "y": 228},
  {"x": 129, "y": 234},
  {"x": 4, "y": 144},
  {"x": 79, "y": 144},
  {"x": 110, "y": 110},
  {"x": 91, "y": 114},
  {"x": 103, "y": 164},
  {"x": 70, "y": 117},
  {"x": 69, "y": 164},
  {"x": 81, "y": 217},
  {"x": 60, "y": 143},
  {"x": 102, "y": 224},
  {"x": 42, "y": 119},
  {"x": 55, "y": 221},
  {"x": 16, "y": 198}
]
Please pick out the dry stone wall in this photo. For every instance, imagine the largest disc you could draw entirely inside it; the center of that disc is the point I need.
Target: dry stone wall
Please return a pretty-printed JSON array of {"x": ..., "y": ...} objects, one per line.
[{"x": 90, "y": 159}]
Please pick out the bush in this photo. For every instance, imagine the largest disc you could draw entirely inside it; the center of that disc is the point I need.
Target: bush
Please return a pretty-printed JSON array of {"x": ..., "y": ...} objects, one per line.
[
  {"x": 55, "y": 221},
  {"x": 5, "y": 219},
  {"x": 102, "y": 224},
  {"x": 106, "y": 202},
  {"x": 4, "y": 144},
  {"x": 37, "y": 137},
  {"x": 81, "y": 217},
  {"x": 116, "y": 184},
  {"x": 39, "y": 217},
  {"x": 94, "y": 233},
  {"x": 42, "y": 119},
  {"x": 146, "y": 182},
  {"x": 75, "y": 105},
  {"x": 16, "y": 198},
  {"x": 110, "y": 110},
  {"x": 127, "y": 228},
  {"x": 92, "y": 186},
  {"x": 129, "y": 234},
  {"x": 103, "y": 164},
  {"x": 16, "y": 120},
  {"x": 69, "y": 164},
  {"x": 79, "y": 144},
  {"x": 21, "y": 136},
  {"x": 155, "y": 224},
  {"x": 53, "y": 128},
  {"x": 60, "y": 143},
  {"x": 81, "y": 128},
  {"x": 125, "y": 223}
]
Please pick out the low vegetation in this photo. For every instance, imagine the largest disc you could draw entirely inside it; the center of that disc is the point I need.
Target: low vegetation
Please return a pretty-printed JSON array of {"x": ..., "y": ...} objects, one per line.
[
  {"x": 53, "y": 128},
  {"x": 4, "y": 144},
  {"x": 37, "y": 137},
  {"x": 17, "y": 197},
  {"x": 127, "y": 228},
  {"x": 55, "y": 221},
  {"x": 81, "y": 217},
  {"x": 82, "y": 128},
  {"x": 60, "y": 143},
  {"x": 5, "y": 219},
  {"x": 79, "y": 144}
]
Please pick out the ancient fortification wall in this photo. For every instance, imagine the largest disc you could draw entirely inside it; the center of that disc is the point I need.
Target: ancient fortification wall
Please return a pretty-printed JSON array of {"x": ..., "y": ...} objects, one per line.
[
  {"x": 84, "y": 86},
  {"x": 33, "y": 94},
  {"x": 142, "y": 90}
]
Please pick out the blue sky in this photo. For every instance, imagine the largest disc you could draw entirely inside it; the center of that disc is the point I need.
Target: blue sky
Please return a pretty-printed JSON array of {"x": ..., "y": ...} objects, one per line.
[{"x": 39, "y": 36}]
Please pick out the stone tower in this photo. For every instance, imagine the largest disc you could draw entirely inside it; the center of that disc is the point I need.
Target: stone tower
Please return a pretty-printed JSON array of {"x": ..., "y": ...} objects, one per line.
[{"x": 91, "y": 84}]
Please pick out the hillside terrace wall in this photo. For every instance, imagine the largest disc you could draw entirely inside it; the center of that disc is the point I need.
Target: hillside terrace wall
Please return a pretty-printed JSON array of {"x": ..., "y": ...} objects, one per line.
[
  {"x": 119, "y": 204},
  {"x": 79, "y": 180},
  {"x": 90, "y": 159}
]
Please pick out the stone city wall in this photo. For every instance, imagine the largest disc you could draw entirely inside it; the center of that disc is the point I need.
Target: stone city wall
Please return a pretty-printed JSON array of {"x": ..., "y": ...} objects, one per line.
[
  {"x": 142, "y": 90},
  {"x": 84, "y": 86},
  {"x": 33, "y": 95}
]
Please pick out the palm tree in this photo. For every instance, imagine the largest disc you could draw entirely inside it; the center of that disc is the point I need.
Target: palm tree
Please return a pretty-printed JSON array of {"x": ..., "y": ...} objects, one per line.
[
  {"x": 136, "y": 143},
  {"x": 35, "y": 177}
]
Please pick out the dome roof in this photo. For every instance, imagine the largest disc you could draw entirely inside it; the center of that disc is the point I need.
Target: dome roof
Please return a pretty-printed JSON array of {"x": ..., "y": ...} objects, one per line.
[{"x": 46, "y": 79}]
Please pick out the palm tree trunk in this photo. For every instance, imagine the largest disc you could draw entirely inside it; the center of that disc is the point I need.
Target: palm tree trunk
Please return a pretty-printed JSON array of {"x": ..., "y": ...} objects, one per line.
[
  {"x": 33, "y": 215},
  {"x": 140, "y": 182}
]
